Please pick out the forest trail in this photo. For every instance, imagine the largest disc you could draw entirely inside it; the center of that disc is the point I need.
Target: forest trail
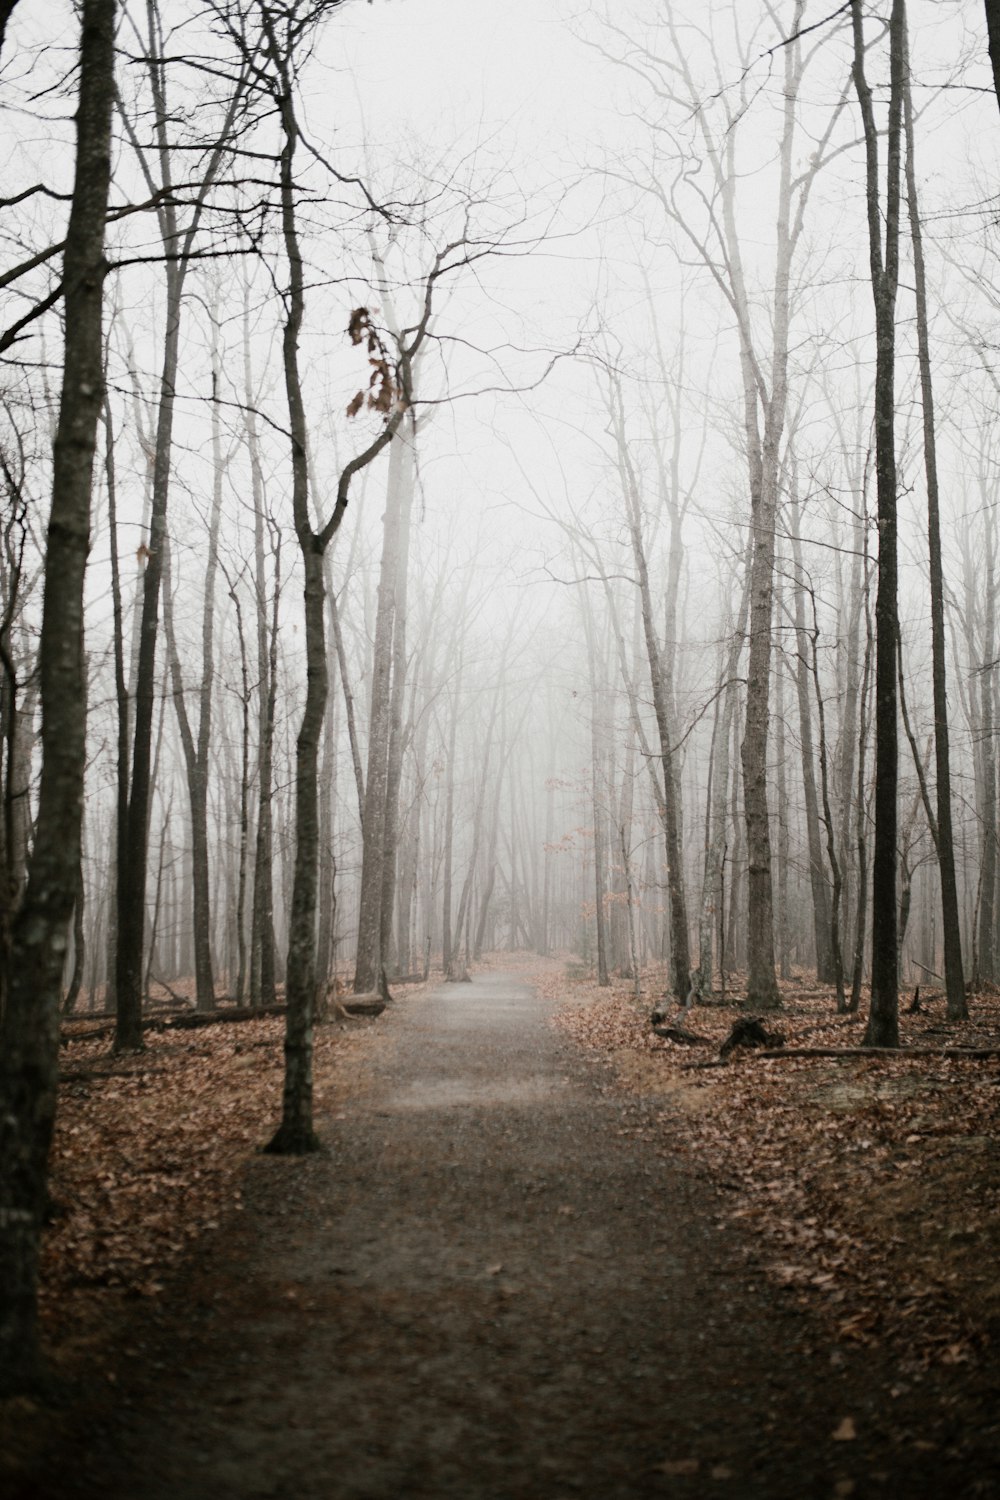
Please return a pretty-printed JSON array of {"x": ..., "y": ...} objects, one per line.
[{"x": 492, "y": 1288}]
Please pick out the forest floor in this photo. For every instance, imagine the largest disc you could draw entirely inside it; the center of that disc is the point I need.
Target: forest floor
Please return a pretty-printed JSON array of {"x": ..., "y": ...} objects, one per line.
[{"x": 541, "y": 1257}]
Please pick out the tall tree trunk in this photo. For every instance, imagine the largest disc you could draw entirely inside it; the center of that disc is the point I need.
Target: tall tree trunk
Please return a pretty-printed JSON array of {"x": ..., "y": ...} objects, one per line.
[
  {"x": 716, "y": 832},
  {"x": 861, "y": 814},
  {"x": 988, "y": 775},
  {"x": 131, "y": 887},
  {"x": 765, "y": 454},
  {"x": 679, "y": 949},
  {"x": 781, "y": 777},
  {"x": 295, "y": 1134},
  {"x": 883, "y": 1019},
  {"x": 196, "y": 744},
  {"x": 954, "y": 977},
  {"x": 449, "y": 828},
  {"x": 29, "y": 1027},
  {"x": 398, "y": 734},
  {"x": 178, "y": 245},
  {"x": 819, "y": 889},
  {"x": 262, "y": 945},
  {"x": 596, "y": 800},
  {"x": 836, "y": 879},
  {"x": 369, "y": 961},
  {"x": 239, "y": 991},
  {"x": 326, "y": 939}
]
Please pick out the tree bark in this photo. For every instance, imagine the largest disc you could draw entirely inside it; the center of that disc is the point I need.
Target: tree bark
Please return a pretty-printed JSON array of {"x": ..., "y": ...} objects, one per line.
[
  {"x": 29, "y": 1029},
  {"x": 883, "y": 1019},
  {"x": 262, "y": 945},
  {"x": 817, "y": 873},
  {"x": 398, "y": 732},
  {"x": 295, "y": 1134},
  {"x": 953, "y": 971},
  {"x": 993, "y": 33},
  {"x": 387, "y": 666},
  {"x": 679, "y": 942}
]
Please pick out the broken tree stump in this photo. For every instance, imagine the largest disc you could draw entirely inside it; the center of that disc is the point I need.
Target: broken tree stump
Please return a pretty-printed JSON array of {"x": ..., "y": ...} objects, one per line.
[
  {"x": 749, "y": 1031},
  {"x": 372, "y": 1004}
]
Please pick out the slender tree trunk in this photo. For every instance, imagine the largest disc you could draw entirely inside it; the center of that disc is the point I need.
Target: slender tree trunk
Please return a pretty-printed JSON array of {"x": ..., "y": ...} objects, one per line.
[
  {"x": 861, "y": 802},
  {"x": 398, "y": 734},
  {"x": 987, "y": 752},
  {"x": 449, "y": 829},
  {"x": 817, "y": 872},
  {"x": 262, "y": 945},
  {"x": 29, "y": 1028},
  {"x": 177, "y": 246},
  {"x": 679, "y": 949},
  {"x": 327, "y": 866},
  {"x": 369, "y": 961},
  {"x": 781, "y": 921},
  {"x": 195, "y": 751},
  {"x": 716, "y": 834},
  {"x": 954, "y": 977},
  {"x": 295, "y": 1134},
  {"x": 883, "y": 1019},
  {"x": 132, "y": 877},
  {"x": 836, "y": 952},
  {"x": 333, "y": 610},
  {"x": 241, "y": 879},
  {"x": 596, "y": 800}
]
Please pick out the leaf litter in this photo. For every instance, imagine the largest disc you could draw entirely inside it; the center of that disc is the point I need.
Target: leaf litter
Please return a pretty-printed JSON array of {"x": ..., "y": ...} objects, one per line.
[
  {"x": 148, "y": 1157},
  {"x": 869, "y": 1187}
]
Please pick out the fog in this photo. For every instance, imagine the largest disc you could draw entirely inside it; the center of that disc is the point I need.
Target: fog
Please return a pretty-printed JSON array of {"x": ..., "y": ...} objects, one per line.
[{"x": 595, "y": 209}]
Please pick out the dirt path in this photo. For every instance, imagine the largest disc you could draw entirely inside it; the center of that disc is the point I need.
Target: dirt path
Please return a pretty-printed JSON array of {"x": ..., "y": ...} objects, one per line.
[{"x": 493, "y": 1287}]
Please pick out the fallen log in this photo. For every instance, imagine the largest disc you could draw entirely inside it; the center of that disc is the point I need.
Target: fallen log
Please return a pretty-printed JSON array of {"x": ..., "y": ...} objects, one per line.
[
  {"x": 189, "y": 1020},
  {"x": 942, "y": 1051},
  {"x": 682, "y": 1035},
  {"x": 149, "y": 1006},
  {"x": 181, "y": 1021},
  {"x": 107, "y": 1075}
]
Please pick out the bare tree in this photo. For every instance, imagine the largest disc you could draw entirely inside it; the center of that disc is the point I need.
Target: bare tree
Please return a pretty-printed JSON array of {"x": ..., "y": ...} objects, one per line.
[
  {"x": 703, "y": 212},
  {"x": 178, "y": 242},
  {"x": 663, "y": 707}
]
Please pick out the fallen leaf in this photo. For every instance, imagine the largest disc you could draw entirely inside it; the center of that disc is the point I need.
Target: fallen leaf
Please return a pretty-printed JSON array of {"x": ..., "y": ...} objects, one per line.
[{"x": 678, "y": 1466}]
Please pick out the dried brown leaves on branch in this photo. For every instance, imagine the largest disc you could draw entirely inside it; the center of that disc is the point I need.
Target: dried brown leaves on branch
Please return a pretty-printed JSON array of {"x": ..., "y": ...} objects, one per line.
[
  {"x": 383, "y": 391},
  {"x": 870, "y": 1186}
]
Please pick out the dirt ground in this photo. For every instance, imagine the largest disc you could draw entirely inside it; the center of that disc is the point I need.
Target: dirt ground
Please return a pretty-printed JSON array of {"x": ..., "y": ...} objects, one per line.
[{"x": 507, "y": 1277}]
